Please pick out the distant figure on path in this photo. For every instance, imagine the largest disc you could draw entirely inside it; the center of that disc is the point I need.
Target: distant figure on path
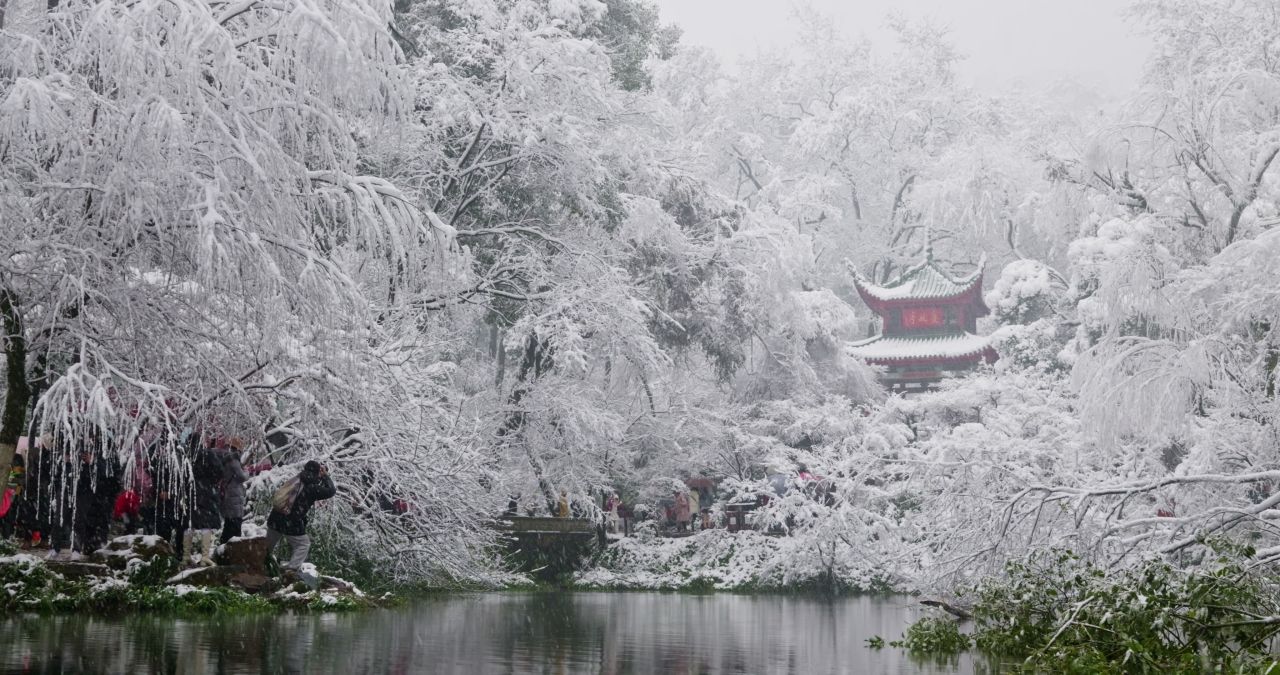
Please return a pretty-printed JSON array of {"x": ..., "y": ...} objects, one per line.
[
  {"x": 682, "y": 510},
  {"x": 611, "y": 505},
  {"x": 290, "y": 506}
]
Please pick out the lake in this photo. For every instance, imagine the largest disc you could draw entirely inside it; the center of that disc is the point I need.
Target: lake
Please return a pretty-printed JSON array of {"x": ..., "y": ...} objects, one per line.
[{"x": 549, "y": 633}]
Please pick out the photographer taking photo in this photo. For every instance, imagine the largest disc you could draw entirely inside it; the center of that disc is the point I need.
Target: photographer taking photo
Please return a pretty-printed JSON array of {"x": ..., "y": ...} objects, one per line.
[{"x": 290, "y": 506}]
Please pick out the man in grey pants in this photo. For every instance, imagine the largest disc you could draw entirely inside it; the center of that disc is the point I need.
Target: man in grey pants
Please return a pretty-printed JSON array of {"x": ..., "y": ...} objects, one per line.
[{"x": 314, "y": 485}]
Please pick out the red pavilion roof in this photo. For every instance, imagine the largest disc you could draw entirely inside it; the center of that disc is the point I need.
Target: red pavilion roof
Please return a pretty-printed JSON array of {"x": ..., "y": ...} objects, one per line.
[
  {"x": 892, "y": 349},
  {"x": 923, "y": 284}
]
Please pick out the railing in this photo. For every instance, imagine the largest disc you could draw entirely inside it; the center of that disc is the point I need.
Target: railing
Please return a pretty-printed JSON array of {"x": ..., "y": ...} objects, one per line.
[{"x": 545, "y": 525}]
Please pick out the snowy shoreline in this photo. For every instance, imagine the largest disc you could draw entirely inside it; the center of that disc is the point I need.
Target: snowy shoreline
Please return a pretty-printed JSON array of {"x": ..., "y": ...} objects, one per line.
[
  {"x": 33, "y": 584},
  {"x": 718, "y": 560}
]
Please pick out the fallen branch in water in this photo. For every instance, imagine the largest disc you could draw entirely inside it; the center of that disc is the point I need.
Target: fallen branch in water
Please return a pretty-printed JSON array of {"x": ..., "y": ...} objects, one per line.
[{"x": 948, "y": 608}]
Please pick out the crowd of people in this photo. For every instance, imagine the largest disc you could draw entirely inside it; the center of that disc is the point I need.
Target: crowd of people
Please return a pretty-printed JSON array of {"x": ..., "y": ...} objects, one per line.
[
  {"x": 71, "y": 498},
  {"x": 689, "y": 509},
  {"x": 686, "y": 510}
]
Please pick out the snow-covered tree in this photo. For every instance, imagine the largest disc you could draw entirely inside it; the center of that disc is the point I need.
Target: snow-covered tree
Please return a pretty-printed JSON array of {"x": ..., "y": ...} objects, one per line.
[{"x": 194, "y": 243}]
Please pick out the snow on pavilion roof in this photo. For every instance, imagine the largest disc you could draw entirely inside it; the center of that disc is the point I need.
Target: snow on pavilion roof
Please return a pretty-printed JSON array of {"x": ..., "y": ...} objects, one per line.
[
  {"x": 922, "y": 282},
  {"x": 883, "y": 349}
]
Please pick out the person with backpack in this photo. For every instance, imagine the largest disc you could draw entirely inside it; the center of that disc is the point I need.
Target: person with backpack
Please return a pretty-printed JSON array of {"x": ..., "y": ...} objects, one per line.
[{"x": 290, "y": 506}]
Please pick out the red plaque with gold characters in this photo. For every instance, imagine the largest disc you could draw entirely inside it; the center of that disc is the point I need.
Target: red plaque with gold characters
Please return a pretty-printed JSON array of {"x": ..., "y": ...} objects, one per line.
[{"x": 921, "y": 317}]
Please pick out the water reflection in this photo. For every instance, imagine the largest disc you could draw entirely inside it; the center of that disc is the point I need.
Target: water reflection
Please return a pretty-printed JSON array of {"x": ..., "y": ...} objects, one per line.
[{"x": 540, "y": 633}]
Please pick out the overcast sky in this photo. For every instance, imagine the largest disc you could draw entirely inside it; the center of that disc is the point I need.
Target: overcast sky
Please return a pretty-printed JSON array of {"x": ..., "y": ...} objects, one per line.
[{"x": 1005, "y": 41}]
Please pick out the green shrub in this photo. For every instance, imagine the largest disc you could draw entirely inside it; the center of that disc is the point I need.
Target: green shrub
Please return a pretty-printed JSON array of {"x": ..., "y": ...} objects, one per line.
[
  {"x": 25, "y": 585},
  {"x": 350, "y": 563},
  {"x": 215, "y": 600},
  {"x": 152, "y": 572},
  {"x": 934, "y": 636},
  {"x": 1057, "y": 613}
]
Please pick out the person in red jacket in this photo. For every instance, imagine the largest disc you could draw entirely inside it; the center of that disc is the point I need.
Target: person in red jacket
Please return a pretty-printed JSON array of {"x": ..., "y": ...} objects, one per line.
[{"x": 127, "y": 510}]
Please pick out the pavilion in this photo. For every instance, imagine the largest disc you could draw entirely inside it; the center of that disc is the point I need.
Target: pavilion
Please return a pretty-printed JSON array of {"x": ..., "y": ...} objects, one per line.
[{"x": 929, "y": 320}]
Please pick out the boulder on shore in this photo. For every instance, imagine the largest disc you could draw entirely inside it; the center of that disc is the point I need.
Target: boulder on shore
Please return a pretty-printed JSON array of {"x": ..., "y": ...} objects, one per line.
[
  {"x": 73, "y": 569},
  {"x": 249, "y": 553},
  {"x": 119, "y": 551},
  {"x": 342, "y": 585},
  {"x": 253, "y": 583},
  {"x": 219, "y": 575},
  {"x": 302, "y": 580}
]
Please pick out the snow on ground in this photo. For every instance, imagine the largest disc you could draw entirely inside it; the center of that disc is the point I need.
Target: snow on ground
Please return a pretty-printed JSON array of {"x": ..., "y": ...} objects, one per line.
[
  {"x": 25, "y": 561},
  {"x": 251, "y": 531},
  {"x": 183, "y": 589},
  {"x": 107, "y": 584}
]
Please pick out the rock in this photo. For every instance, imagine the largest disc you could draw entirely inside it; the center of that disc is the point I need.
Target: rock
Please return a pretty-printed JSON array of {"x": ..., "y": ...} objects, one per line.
[
  {"x": 116, "y": 560},
  {"x": 77, "y": 570},
  {"x": 145, "y": 546},
  {"x": 255, "y": 583},
  {"x": 302, "y": 581},
  {"x": 119, "y": 551},
  {"x": 249, "y": 553},
  {"x": 220, "y": 575},
  {"x": 334, "y": 583}
]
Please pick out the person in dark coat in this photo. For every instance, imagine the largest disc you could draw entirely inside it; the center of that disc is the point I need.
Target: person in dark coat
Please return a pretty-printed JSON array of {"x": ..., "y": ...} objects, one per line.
[
  {"x": 49, "y": 497},
  {"x": 206, "y": 514},
  {"x": 96, "y": 490},
  {"x": 291, "y": 506},
  {"x": 59, "y": 503},
  {"x": 233, "y": 492},
  {"x": 163, "y": 511},
  {"x": 162, "y": 516}
]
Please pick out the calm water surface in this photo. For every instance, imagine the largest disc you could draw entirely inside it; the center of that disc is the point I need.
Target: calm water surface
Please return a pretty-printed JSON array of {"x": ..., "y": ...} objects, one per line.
[{"x": 549, "y": 633}]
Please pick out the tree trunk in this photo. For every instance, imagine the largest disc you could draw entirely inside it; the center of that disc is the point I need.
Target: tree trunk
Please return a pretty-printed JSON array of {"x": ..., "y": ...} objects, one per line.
[
  {"x": 17, "y": 392},
  {"x": 500, "y": 350},
  {"x": 1272, "y": 362},
  {"x": 949, "y": 608},
  {"x": 536, "y": 360},
  {"x": 1233, "y": 226}
]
